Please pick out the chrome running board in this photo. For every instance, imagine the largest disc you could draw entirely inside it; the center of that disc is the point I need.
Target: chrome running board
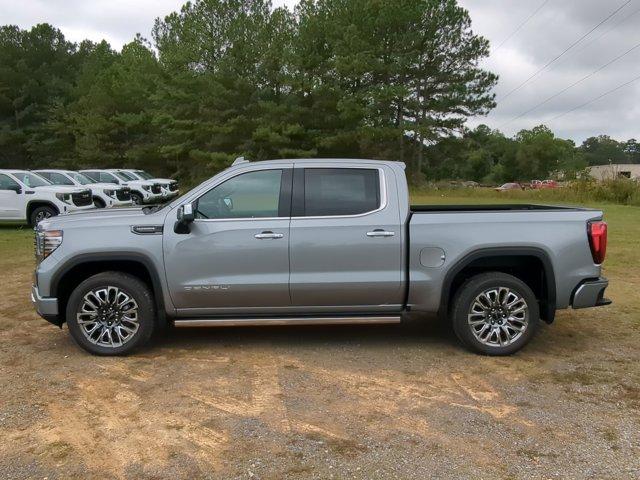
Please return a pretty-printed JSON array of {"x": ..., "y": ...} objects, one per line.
[{"x": 238, "y": 322}]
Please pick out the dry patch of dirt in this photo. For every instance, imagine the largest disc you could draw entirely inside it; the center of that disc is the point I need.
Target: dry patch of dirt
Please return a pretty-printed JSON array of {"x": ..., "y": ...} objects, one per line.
[{"x": 314, "y": 402}]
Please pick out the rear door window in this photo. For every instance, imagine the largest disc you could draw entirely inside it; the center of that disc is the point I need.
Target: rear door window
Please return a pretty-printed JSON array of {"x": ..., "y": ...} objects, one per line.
[{"x": 340, "y": 191}]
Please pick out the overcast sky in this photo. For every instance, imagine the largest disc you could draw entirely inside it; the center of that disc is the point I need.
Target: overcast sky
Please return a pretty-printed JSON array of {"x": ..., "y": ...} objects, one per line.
[{"x": 555, "y": 26}]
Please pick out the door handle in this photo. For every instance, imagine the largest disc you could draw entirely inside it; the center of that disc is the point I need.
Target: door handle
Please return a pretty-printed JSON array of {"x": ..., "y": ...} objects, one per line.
[
  {"x": 380, "y": 233},
  {"x": 268, "y": 234}
]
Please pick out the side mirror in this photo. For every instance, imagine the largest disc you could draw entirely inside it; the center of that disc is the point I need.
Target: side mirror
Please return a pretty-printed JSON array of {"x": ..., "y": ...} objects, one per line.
[
  {"x": 186, "y": 216},
  {"x": 16, "y": 188}
]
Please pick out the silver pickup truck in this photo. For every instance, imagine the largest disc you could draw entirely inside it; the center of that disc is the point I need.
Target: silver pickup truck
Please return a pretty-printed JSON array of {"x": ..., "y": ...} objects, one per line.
[{"x": 330, "y": 241}]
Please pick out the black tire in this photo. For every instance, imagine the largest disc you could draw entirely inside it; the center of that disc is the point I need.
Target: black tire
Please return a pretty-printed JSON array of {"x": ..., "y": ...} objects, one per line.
[
  {"x": 98, "y": 203},
  {"x": 41, "y": 213},
  {"x": 465, "y": 300},
  {"x": 130, "y": 286},
  {"x": 136, "y": 198}
]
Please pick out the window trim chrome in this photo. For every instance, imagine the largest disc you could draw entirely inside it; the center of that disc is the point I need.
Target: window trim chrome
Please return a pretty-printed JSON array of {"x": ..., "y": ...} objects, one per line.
[
  {"x": 254, "y": 167},
  {"x": 226, "y": 179},
  {"x": 383, "y": 193}
]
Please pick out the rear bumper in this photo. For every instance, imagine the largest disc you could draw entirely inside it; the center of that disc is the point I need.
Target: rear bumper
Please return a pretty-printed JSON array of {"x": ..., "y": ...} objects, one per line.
[
  {"x": 47, "y": 308},
  {"x": 590, "y": 293}
]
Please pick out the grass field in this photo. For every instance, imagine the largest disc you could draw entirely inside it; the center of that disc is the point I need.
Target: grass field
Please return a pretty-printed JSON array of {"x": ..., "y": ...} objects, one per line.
[{"x": 349, "y": 402}]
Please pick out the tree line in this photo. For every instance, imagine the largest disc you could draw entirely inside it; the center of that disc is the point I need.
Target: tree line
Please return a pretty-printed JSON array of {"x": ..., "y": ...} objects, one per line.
[
  {"x": 488, "y": 156},
  {"x": 223, "y": 78}
]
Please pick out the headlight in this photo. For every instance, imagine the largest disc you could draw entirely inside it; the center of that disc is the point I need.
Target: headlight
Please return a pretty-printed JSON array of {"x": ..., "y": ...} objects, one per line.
[
  {"x": 109, "y": 193},
  {"x": 46, "y": 242},
  {"x": 64, "y": 197}
]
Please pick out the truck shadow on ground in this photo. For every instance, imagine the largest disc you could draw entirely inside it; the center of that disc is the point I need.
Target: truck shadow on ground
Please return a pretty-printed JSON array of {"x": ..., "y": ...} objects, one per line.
[{"x": 430, "y": 332}]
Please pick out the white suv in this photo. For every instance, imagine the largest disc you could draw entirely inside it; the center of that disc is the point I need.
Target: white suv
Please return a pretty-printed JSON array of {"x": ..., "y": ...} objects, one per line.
[
  {"x": 105, "y": 195},
  {"x": 142, "y": 191},
  {"x": 169, "y": 186},
  {"x": 27, "y": 197}
]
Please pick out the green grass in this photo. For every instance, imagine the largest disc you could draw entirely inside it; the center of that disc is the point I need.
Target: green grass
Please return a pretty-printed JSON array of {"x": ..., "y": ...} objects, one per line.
[{"x": 16, "y": 246}]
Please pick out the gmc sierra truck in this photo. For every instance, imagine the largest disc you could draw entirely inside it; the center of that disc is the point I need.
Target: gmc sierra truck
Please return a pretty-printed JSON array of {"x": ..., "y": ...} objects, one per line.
[
  {"x": 141, "y": 191},
  {"x": 315, "y": 242},
  {"x": 28, "y": 198},
  {"x": 105, "y": 195}
]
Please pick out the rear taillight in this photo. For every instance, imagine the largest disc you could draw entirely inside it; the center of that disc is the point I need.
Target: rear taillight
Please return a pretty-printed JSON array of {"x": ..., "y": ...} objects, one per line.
[{"x": 598, "y": 240}]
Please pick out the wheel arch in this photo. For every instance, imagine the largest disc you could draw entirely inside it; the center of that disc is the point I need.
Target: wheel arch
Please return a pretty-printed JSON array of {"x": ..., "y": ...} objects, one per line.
[
  {"x": 33, "y": 204},
  {"x": 532, "y": 265},
  {"x": 81, "y": 267}
]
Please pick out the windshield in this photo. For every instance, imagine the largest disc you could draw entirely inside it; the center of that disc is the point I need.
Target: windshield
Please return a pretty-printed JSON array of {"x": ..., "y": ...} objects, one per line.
[
  {"x": 144, "y": 175},
  {"x": 122, "y": 176},
  {"x": 80, "y": 178},
  {"x": 31, "y": 179}
]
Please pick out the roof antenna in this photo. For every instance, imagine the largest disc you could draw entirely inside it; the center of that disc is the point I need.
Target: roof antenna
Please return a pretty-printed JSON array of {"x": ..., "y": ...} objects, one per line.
[{"x": 238, "y": 161}]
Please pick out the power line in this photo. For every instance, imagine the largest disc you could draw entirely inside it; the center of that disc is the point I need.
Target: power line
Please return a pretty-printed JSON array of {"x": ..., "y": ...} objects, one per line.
[
  {"x": 521, "y": 25},
  {"x": 613, "y": 27},
  {"x": 565, "y": 51},
  {"x": 572, "y": 85},
  {"x": 635, "y": 79}
]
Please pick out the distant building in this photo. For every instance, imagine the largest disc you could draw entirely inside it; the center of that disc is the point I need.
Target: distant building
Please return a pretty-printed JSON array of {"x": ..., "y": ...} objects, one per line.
[{"x": 615, "y": 170}]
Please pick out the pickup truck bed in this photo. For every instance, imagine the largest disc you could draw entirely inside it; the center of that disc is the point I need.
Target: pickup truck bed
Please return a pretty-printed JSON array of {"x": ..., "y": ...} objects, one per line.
[{"x": 514, "y": 207}]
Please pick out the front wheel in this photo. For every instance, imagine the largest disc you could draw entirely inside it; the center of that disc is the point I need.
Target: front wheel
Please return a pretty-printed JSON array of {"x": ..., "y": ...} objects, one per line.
[
  {"x": 111, "y": 313},
  {"x": 136, "y": 198},
  {"x": 41, "y": 213},
  {"x": 495, "y": 313}
]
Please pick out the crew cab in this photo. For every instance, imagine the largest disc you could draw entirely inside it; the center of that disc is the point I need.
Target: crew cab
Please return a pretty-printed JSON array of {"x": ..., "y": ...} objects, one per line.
[
  {"x": 141, "y": 191},
  {"x": 316, "y": 242},
  {"x": 105, "y": 195},
  {"x": 27, "y": 197},
  {"x": 169, "y": 186}
]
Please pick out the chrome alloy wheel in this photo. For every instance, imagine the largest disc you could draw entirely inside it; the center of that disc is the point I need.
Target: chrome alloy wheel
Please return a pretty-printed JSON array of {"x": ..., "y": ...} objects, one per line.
[
  {"x": 498, "y": 317},
  {"x": 42, "y": 215},
  {"x": 108, "y": 317}
]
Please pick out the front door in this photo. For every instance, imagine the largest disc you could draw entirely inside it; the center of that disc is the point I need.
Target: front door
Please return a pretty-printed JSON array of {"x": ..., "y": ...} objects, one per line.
[
  {"x": 11, "y": 199},
  {"x": 346, "y": 240},
  {"x": 236, "y": 256}
]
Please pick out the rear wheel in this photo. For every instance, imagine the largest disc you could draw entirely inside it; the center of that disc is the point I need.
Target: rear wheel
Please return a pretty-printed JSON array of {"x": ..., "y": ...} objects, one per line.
[
  {"x": 41, "y": 213},
  {"x": 98, "y": 203},
  {"x": 495, "y": 314},
  {"x": 111, "y": 313}
]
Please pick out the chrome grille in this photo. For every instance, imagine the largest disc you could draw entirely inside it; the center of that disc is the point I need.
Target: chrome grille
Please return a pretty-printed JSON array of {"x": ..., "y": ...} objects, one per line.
[
  {"x": 82, "y": 199},
  {"x": 123, "y": 194}
]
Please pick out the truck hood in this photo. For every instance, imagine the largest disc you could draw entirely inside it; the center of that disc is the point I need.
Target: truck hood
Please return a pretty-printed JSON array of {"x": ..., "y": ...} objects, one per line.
[
  {"x": 107, "y": 186},
  {"x": 163, "y": 180},
  {"x": 100, "y": 217},
  {"x": 60, "y": 189}
]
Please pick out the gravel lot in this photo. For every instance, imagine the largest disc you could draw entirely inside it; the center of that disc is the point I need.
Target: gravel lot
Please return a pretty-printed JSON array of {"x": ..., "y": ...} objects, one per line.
[{"x": 312, "y": 402}]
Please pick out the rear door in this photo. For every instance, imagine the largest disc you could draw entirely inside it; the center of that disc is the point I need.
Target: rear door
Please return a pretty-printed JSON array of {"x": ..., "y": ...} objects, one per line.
[{"x": 346, "y": 239}]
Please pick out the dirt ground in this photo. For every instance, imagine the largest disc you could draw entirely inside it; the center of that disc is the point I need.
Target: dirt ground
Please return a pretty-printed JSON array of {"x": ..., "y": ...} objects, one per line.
[{"x": 310, "y": 402}]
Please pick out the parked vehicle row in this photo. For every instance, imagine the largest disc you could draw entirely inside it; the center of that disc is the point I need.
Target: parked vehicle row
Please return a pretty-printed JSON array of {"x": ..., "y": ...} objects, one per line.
[
  {"x": 32, "y": 196},
  {"x": 534, "y": 185}
]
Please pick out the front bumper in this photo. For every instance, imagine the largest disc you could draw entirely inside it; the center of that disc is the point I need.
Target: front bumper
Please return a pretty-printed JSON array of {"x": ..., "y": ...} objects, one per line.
[
  {"x": 590, "y": 293},
  {"x": 47, "y": 308}
]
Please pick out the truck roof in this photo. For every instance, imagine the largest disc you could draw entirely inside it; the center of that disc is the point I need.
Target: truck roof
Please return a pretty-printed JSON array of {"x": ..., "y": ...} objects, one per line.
[{"x": 241, "y": 161}]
